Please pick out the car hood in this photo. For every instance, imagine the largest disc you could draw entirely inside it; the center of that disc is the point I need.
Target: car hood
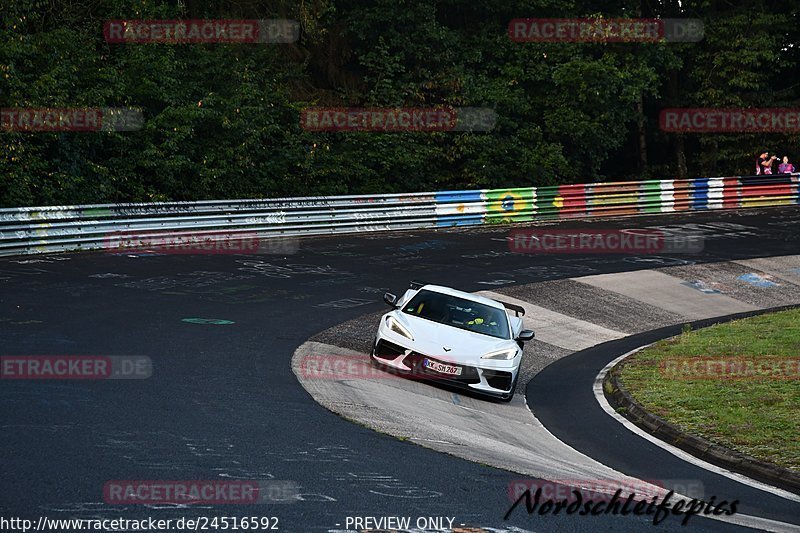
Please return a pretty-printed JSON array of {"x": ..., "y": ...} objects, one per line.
[{"x": 431, "y": 338}]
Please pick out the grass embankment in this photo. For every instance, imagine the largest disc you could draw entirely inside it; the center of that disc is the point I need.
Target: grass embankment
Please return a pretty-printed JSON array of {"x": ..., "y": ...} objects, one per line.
[{"x": 756, "y": 415}]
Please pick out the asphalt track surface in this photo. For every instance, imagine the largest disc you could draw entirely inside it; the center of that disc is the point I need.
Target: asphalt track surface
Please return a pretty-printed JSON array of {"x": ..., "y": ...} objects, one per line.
[
  {"x": 223, "y": 402},
  {"x": 566, "y": 386}
]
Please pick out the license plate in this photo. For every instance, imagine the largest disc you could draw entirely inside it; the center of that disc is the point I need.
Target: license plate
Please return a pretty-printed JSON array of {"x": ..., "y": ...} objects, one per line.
[{"x": 442, "y": 368}]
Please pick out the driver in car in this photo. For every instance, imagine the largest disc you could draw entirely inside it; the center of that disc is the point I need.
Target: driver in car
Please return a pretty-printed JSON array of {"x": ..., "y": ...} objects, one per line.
[{"x": 478, "y": 321}]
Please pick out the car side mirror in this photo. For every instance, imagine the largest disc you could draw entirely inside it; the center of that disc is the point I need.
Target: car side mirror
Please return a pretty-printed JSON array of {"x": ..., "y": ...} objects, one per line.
[
  {"x": 390, "y": 299},
  {"x": 526, "y": 335}
]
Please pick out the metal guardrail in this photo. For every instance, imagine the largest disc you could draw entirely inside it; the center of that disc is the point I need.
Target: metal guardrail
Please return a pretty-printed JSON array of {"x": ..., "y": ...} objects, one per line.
[{"x": 29, "y": 230}]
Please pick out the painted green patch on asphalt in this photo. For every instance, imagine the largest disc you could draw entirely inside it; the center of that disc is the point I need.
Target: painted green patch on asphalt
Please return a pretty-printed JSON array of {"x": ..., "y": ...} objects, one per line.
[
  {"x": 758, "y": 416},
  {"x": 218, "y": 321}
]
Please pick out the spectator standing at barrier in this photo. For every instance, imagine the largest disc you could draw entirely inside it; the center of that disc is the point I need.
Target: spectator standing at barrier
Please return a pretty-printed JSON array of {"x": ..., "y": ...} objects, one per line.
[
  {"x": 785, "y": 167},
  {"x": 764, "y": 163}
]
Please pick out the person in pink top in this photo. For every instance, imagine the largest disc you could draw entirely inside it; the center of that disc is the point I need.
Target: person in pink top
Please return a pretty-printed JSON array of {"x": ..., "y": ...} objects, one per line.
[{"x": 786, "y": 167}]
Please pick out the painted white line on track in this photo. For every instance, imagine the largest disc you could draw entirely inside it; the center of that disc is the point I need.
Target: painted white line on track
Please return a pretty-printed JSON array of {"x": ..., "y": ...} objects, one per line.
[
  {"x": 677, "y": 452},
  {"x": 499, "y": 436},
  {"x": 763, "y": 524}
]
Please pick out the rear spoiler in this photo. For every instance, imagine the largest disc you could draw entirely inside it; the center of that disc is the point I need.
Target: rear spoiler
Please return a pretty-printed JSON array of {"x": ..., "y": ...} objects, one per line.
[{"x": 519, "y": 310}]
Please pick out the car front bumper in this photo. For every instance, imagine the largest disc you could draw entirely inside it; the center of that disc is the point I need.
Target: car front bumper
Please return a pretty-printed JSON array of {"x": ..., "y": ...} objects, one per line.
[{"x": 494, "y": 378}]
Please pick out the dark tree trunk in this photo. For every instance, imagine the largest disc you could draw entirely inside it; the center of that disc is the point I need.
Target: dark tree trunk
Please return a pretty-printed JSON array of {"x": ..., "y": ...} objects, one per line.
[{"x": 642, "y": 135}]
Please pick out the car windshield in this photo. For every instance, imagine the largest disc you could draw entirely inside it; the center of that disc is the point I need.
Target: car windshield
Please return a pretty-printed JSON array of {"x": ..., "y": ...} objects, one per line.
[{"x": 459, "y": 313}]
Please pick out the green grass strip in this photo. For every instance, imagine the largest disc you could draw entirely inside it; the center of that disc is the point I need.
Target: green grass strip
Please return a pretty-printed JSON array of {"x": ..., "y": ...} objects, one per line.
[{"x": 736, "y": 384}]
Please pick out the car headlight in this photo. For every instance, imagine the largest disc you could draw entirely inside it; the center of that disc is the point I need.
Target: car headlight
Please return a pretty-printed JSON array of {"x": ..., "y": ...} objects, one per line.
[
  {"x": 397, "y": 327},
  {"x": 503, "y": 355}
]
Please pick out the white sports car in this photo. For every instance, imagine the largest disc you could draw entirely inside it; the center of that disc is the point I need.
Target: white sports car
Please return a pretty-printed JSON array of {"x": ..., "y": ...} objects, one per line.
[{"x": 462, "y": 339}]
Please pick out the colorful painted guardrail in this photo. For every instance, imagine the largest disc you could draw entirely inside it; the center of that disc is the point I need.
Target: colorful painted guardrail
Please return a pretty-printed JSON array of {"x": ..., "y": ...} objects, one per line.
[
  {"x": 26, "y": 230},
  {"x": 614, "y": 199}
]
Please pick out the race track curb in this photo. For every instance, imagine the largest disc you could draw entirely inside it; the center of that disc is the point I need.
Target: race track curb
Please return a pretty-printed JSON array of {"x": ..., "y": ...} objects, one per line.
[{"x": 722, "y": 456}]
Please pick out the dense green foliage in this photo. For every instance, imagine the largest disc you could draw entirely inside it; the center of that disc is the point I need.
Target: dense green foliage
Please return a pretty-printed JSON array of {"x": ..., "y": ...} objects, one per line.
[{"x": 222, "y": 120}]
